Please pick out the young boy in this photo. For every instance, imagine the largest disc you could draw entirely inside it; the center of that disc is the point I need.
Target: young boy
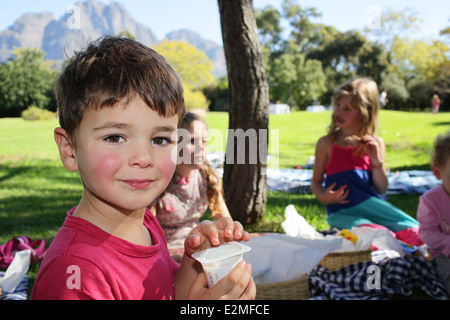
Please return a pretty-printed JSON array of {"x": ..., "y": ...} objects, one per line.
[
  {"x": 120, "y": 104},
  {"x": 433, "y": 211}
]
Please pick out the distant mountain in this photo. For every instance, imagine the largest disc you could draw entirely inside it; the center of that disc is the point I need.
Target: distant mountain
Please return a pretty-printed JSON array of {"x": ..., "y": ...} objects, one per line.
[
  {"x": 27, "y": 31},
  {"x": 86, "y": 21}
]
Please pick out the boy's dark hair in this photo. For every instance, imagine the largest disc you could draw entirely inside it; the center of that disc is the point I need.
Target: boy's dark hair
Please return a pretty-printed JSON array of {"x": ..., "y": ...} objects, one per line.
[{"x": 112, "y": 70}]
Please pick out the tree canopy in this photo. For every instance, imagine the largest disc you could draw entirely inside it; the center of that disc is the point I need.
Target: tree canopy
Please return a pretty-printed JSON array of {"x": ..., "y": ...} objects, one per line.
[
  {"x": 193, "y": 67},
  {"x": 306, "y": 64},
  {"x": 26, "y": 80}
]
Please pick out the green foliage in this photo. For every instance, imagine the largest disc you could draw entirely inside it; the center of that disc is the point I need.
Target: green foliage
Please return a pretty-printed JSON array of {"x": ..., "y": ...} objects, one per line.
[
  {"x": 412, "y": 58},
  {"x": 393, "y": 25},
  {"x": 293, "y": 78},
  {"x": 217, "y": 93},
  {"x": 396, "y": 88},
  {"x": 296, "y": 80},
  {"x": 195, "y": 99},
  {"x": 35, "y": 113},
  {"x": 303, "y": 30},
  {"x": 127, "y": 34},
  {"x": 420, "y": 67},
  {"x": 315, "y": 58},
  {"x": 25, "y": 80},
  {"x": 268, "y": 21},
  {"x": 411, "y": 70},
  {"x": 193, "y": 67},
  {"x": 191, "y": 64}
]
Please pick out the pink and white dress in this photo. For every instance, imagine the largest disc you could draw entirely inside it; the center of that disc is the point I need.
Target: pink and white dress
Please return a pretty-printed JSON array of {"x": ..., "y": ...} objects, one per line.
[{"x": 180, "y": 208}]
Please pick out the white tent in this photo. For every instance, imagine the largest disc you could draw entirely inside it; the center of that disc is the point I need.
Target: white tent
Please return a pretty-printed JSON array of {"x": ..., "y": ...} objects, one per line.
[{"x": 279, "y": 108}]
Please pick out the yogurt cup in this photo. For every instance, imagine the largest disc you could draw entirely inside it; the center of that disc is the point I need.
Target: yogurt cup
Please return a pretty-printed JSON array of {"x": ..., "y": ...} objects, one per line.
[{"x": 218, "y": 261}]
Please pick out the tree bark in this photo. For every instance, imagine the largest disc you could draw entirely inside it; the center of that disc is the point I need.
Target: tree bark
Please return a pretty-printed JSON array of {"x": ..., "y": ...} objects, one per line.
[{"x": 245, "y": 184}]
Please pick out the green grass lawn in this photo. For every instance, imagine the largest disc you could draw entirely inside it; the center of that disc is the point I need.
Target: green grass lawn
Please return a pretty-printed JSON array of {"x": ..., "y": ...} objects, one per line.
[
  {"x": 36, "y": 190},
  {"x": 408, "y": 137}
]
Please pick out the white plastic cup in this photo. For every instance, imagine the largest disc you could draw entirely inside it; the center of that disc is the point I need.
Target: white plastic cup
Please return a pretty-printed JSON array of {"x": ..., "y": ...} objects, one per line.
[{"x": 218, "y": 261}]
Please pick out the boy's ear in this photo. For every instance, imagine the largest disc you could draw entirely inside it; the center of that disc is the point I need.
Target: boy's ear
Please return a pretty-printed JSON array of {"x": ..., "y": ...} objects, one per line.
[
  {"x": 66, "y": 149},
  {"x": 436, "y": 172}
]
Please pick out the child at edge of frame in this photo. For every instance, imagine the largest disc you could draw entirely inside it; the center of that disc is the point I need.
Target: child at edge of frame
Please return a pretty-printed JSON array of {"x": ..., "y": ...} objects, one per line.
[{"x": 433, "y": 210}]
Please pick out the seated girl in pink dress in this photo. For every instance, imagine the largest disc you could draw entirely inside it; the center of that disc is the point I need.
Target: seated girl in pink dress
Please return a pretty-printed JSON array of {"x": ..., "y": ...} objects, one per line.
[{"x": 194, "y": 188}]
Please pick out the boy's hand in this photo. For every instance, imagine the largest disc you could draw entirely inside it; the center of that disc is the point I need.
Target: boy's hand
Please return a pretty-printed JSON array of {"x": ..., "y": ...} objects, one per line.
[
  {"x": 238, "y": 284},
  {"x": 208, "y": 234}
]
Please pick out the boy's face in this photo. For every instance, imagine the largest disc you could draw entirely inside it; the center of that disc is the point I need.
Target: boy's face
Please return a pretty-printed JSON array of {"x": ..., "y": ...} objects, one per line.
[{"x": 124, "y": 154}]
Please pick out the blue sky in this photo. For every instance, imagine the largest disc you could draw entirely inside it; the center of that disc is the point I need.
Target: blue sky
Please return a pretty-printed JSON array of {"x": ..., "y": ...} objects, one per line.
[{"x": 202, "y": 16}]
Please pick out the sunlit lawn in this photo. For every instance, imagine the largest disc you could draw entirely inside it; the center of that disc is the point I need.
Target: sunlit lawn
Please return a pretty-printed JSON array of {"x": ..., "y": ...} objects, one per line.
[
  {"x": 408, "y": 136},
  {"x": 36, "y": 191}
]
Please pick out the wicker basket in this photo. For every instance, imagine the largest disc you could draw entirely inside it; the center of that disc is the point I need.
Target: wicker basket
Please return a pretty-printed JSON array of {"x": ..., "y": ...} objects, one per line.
[
  {"x": 296, "y": 289},
  {"x": 337, "y": 260}
]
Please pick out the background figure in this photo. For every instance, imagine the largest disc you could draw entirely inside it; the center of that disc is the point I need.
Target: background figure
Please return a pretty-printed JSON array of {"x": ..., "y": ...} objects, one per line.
[
  {"x": 194, "y": 188},
  {"x": 383, "y": 98},
  {"x": 435, "y": 103}
]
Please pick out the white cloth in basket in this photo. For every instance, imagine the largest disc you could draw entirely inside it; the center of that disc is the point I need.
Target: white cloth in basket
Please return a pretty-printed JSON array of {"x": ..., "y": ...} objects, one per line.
[{"x": 278, "y": 258}]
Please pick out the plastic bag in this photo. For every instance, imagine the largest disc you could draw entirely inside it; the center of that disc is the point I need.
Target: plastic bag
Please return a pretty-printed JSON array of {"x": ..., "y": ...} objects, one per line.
[
  {"x": 277, "y": 257},
  {"x": 382, "y": 239},
  {"x": 295, "y": 225},
  {"x": 16, "y": 271}
]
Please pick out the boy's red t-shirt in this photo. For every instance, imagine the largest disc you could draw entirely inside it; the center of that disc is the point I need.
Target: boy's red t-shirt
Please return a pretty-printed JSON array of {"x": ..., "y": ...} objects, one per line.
[{"x": 85, "y": 262}]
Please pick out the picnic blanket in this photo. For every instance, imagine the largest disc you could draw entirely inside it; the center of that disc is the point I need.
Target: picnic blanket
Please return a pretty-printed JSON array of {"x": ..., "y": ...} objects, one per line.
[
  {"x": 396, "y": 276},
  {"x": 299, "y": 180},
  {"x": 400, "y": 182}
]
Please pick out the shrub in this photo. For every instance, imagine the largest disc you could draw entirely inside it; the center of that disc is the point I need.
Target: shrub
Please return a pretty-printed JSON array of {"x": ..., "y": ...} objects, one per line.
[{"x": 35, "y": 113}]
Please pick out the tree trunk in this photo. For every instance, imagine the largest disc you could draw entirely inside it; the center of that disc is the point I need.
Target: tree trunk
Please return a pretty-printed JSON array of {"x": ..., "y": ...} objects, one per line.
[{"x": 244, "y": 180}]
